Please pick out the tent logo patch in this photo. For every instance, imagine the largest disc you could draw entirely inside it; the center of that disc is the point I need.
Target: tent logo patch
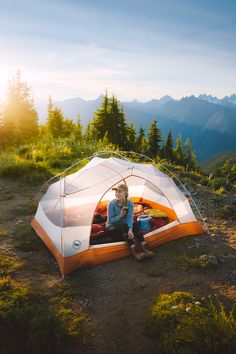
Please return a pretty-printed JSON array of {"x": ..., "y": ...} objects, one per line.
[{"x": 76, "y": 244}]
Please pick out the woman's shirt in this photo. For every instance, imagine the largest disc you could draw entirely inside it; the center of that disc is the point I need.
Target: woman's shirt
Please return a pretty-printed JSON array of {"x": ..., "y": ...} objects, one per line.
[{"x": 113, "y": 214}]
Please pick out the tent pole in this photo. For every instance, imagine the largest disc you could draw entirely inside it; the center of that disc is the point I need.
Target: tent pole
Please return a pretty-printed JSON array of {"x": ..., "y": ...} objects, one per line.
[{"x": 62, "y": 195}]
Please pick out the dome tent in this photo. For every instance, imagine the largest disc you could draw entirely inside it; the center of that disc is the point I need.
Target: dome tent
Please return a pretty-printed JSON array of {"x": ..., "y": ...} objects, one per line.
[{"x": 65, "y": 213}]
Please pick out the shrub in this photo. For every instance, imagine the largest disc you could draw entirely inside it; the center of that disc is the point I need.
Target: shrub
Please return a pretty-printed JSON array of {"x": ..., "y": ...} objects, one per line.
[
  {"x": 220, "y": 191},
  {"x": 219, "y": 182},
  {"x": 181, "y": 324},
  {"x": 16, "y": 168}
]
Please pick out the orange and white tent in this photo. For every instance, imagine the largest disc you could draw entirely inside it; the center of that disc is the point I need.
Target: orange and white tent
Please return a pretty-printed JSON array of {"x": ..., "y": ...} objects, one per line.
[{"x": 65, "y": 213}]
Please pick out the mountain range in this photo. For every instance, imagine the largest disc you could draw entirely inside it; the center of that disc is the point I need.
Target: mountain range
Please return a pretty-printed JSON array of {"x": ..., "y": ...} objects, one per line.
[{"x": 208, "y": 121}]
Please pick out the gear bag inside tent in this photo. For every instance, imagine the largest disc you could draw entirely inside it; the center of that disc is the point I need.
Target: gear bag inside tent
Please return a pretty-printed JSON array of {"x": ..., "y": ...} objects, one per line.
[{"x": 71, "y": 215}]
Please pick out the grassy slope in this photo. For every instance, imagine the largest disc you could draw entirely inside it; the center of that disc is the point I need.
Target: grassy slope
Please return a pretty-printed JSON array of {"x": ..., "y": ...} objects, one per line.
[{"x": 101, "y": 309}]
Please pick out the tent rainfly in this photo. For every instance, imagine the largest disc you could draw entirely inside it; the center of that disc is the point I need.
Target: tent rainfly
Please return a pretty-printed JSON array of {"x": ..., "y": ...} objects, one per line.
[{"x": 65, "y": 216}]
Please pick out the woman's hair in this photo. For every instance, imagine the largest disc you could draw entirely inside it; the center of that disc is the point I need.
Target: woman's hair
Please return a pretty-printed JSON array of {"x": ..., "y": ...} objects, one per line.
[{"x": 126, "y": 198}]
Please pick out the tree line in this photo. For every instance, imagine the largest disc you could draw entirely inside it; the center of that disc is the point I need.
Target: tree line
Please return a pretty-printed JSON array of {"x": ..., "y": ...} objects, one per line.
[{"x": 19, "y": 125}]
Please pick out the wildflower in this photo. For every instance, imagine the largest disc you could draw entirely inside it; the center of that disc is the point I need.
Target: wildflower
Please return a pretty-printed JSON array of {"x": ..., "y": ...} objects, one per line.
[
  {"x": 174, "y": 307},
  {"x": 197, "y": 303},
  {"x": 188, "y": 309}
]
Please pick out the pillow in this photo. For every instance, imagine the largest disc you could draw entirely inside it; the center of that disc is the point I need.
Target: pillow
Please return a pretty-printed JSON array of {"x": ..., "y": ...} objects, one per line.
[{"x": 155, "y": 213}]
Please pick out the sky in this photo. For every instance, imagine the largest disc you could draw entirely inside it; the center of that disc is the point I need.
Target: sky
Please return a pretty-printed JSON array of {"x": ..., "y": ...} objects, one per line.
[{"x": 136, "y": 49}]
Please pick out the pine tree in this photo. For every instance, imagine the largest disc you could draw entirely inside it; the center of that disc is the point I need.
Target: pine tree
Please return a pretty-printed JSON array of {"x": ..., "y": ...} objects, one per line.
[
  {"x": 101, "y": 120},
  {"x": 131, "y": 137},
  {"x": 178, "y": 151},
  {"x": 78, "y": 129},
  {"x": 88, "y": 137},
  {"x": 141, "y": 135},
  {"x": 154, "y": 139},
  {"x": 55, "y": 123},
  {"x": 114, "y": 133},
  {"x": 168, "y": 147},
  {"x": 106, "y": 141},
  {"x": 141, "y": 143},
  {"x": 189, "y": 156},
  {"x": 19, "y": 118},
  {"x": 123, "y": 130},
  {"x": 110, "y": 119},
  {"x": 68, "y": 128}
]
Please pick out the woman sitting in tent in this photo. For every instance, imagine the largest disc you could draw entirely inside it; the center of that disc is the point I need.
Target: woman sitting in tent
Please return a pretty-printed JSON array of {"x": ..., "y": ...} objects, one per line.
[{"x": 120, "y": 217}]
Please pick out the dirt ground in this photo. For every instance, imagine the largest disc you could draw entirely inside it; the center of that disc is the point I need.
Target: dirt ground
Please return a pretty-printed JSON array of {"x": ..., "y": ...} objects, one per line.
[{"x": 117, "y": 296}]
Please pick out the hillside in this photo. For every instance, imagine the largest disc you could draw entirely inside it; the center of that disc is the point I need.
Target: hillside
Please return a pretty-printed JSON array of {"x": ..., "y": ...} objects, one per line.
[
  {"x": 112, "y": 301},
  {"x": 215, "y": 162}
]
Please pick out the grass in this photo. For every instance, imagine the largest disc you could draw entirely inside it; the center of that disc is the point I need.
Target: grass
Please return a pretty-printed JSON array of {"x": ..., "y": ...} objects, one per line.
[
  {"x": 180, "y": 323},
  {"x": 19, "y": 210},
  {"x": 15, "y": 167},
  {"x": 26, "y": 240},
  {"x": 6, "y": 196},
  {"x": 200, "y": 263},
  {"x": 9, "y": 264},
  {"x": 28, "y": 208},
  {"x": 34, "y": 321},
  {"x": 4, "y": 233}
]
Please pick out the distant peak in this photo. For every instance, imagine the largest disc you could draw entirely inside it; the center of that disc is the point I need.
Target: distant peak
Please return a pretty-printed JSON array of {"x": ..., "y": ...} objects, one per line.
[{"x": 166, "y": 98}]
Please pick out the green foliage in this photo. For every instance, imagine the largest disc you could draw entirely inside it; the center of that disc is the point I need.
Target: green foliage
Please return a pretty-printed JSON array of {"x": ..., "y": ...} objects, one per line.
[
  {"x": 9, "y": 264},
  {"x": 224, "y": 177},
  {"x": 19, "y": 121},
  {"x": 168, "y": 152},
  {"x": 220, "y": 191},
  {"x": 189, "y": 156},
  {"x": 178, "y": 151},
  {"x": 181, "y": 324},
  {"x": 31, "y": 323},
  {"x": 200, "y": 263},
  {"x": 141, "y": 143},
  {"x": 215, "y": 163},
  {"x": 110, "y": 121},
  {"x": 17, "y": 168},
  {"x": 55, "y": 123},
  {"x": 218, "y": 182},
  {"x": 154, "y": 139},
  {"x": 131, "y": 137}
]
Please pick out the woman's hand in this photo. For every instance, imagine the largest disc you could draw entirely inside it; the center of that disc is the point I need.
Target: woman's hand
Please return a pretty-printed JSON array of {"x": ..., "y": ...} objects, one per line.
[
  {"x": 123, "y": 213},
  {"x": 130, "y": 234}
]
